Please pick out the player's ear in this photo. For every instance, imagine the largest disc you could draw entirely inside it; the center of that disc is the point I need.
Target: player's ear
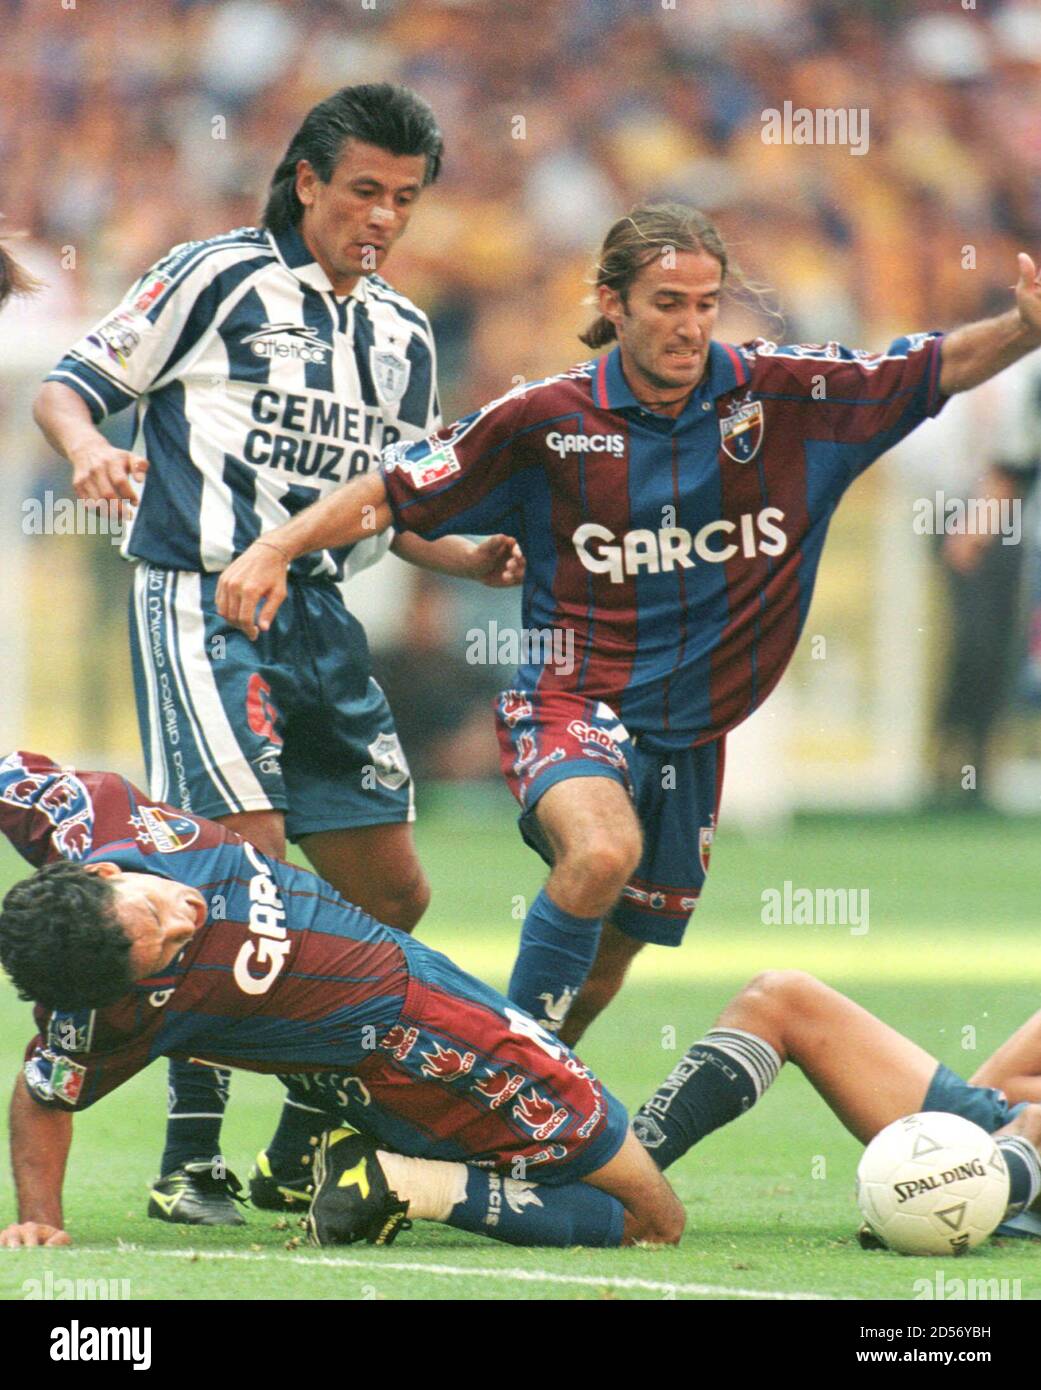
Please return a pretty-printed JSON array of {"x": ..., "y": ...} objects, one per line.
[
  {"x": 610, "y": 303},
  {"x": 104, "y": 868},
  {"x": 306, "y": 178}
]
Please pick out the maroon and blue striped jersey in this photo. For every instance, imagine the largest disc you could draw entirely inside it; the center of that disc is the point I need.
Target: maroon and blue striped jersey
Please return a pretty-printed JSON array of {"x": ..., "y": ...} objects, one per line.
[
  {"x": 285, "y": 976},
  {"x": 680, "y": 553}
]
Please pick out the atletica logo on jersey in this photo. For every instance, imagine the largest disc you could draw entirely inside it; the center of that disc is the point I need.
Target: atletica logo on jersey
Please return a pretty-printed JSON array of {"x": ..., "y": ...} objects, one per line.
[
  {"x": 564, "y": 444},
  {"x": 658, "y": 552},
  {"x": 304, "y": 344}
]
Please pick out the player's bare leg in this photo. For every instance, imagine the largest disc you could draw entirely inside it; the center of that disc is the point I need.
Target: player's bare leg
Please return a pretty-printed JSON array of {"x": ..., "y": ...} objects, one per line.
[
  {"x": 614, "y": 955},
  {"x": 375, "y": 867},
  {"x": 595, "y": 836},
  {"x": 653, "y": 1212},
  {"x": 832, "y": 1040},
  {"x": 265, "y": 829},
  {"x": 1015, "y": 1067}
]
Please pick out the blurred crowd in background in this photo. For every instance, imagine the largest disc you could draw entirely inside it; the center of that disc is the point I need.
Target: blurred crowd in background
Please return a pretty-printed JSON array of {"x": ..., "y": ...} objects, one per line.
[{"x": 126, "y": 128}]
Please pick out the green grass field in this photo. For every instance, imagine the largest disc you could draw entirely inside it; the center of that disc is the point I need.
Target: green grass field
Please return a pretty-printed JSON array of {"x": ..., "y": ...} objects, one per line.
[{"x": 952, "y": 956}]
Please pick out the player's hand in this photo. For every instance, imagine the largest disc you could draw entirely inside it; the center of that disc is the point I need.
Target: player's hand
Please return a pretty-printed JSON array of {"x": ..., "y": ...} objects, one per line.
[
  {"x": 101, "y": 473},
  {"x": 498, "y": 562},
  {"x": 258, "y": 576},
  {"x": 1028, "y": 295},
  {"x": 29, "y": 1233}
]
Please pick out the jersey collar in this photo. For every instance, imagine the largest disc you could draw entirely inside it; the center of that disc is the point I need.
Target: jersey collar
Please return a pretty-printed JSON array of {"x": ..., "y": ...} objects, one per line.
[
  {"x": 727, "y": 370},
  {"x": 291, "y": 249}
]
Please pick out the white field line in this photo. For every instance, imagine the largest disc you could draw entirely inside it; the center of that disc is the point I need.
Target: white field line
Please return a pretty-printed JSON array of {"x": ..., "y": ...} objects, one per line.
[{"x": 516, "y": 1276}]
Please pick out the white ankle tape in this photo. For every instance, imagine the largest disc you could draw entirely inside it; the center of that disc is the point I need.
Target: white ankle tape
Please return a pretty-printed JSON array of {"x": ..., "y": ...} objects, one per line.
[{"x": 430, "y": 1186}]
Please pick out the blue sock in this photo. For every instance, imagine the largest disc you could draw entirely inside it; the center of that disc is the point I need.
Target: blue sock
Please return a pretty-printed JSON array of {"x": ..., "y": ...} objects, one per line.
[
  {"x": 556, "y": 953},
  {"x": 198, "y": 1096},
  {"x": 527, "y": 1213},
  {"x": 1024, "y": 1172},
  {"x": 716, "y": 1080}
]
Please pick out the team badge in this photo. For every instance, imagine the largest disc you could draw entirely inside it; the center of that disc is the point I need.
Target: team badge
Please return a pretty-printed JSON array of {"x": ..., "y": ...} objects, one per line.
[
  {"x": 390, "y": 373},
  {"x": 706, "y": 835},
  {"x": 741, "y": 432},
  {"x": 168, "y": 831},
  {"x": 389, "y": 762}
]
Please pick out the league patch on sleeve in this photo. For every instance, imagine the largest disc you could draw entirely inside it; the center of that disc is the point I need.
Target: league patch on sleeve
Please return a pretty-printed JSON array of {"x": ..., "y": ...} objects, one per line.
[
  {"x": 431, "y": 468},
  {"x": 51, "y": 1078},
  {"x": 435, "y": 468},
  {"x": 151, "y": 292},
  {"x": 119, "y": 336}
]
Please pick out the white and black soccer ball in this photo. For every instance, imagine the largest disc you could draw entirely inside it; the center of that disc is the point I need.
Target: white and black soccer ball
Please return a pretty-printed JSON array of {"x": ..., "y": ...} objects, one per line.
[{"x": 932, "y": 1184}]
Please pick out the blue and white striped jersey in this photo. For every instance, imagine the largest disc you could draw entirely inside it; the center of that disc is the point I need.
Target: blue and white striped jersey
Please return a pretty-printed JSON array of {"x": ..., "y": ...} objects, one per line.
[{"x": 258, "y": 391}]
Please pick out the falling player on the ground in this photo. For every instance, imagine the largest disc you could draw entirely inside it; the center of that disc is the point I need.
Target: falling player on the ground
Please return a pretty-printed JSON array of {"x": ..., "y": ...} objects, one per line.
[
  {"x": 672, "y": 498},
  {"x": 269, "y": 365},
  {"x": 469, "y": 1112}
]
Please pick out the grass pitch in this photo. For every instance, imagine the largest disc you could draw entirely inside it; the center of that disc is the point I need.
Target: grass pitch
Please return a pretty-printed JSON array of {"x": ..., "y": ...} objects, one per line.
[{"x": 952, "y": 956}]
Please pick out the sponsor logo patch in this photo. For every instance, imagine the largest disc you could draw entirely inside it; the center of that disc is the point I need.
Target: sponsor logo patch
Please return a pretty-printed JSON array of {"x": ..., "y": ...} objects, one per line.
[
  {"x": 119, "y": 335},
  {"x": 151, "y": 292}
]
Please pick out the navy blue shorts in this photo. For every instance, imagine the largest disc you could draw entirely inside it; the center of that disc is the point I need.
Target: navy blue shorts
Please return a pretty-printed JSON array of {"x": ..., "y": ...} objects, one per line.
[
  {"x": 465, "y": 1075},
  {"x": 293, "y": 722},
  {"x": 675, "y": 792}
]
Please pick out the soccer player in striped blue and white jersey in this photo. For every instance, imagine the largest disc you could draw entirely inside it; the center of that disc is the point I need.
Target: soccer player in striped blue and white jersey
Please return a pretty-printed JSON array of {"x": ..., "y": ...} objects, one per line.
[{"x": 267, "y": 367}]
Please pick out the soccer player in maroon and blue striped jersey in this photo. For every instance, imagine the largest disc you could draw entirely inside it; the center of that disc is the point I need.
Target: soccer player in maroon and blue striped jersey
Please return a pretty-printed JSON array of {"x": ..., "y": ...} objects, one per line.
[{"x": 672, "y": 498}]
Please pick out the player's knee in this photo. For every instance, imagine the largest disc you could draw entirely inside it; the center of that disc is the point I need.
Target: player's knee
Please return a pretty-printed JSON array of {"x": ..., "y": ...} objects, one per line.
[
  {"x": 781, "y": 992},
  {"x": 603, "y": 862},
  {"x": 403, "y": 903}
]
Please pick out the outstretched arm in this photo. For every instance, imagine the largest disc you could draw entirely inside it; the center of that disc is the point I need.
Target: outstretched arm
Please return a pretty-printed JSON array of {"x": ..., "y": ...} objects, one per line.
[
  {"x": 977, "y": 351},
  {"x": 258, "y": 576},
  {"x": 497, "y": 562},
  {"x": 40, "y": 1142}
]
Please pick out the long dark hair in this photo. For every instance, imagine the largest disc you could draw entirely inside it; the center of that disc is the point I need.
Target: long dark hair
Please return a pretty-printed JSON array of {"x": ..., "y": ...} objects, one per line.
[
  {"x": 393, "y": 118},
  {"x": 637, "y": 239},
  {"x": 14, "y": 278}
]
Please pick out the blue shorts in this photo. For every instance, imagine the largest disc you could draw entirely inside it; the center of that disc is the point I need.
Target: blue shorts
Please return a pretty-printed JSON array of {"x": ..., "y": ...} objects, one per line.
[
  {"x": 465, "y": 1076},
  {"x": 983, "y": 1105},
  {"x": 293, "y": 722},
  {"x": 675, "y": 792}
]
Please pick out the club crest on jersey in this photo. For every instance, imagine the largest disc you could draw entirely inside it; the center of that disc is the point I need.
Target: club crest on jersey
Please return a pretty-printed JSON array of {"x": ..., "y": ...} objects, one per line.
[
  {"x": 389, "y": 762},
  {"x": 390, "y": 373},
  {"x": 706, "y": 835},
  {"x": 741, "y": 432},
  {"x": 167, "y": 830}
]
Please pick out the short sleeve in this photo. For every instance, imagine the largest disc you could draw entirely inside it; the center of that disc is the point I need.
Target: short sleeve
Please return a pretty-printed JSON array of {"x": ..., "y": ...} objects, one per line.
[{"x": 461, "y": 479}]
